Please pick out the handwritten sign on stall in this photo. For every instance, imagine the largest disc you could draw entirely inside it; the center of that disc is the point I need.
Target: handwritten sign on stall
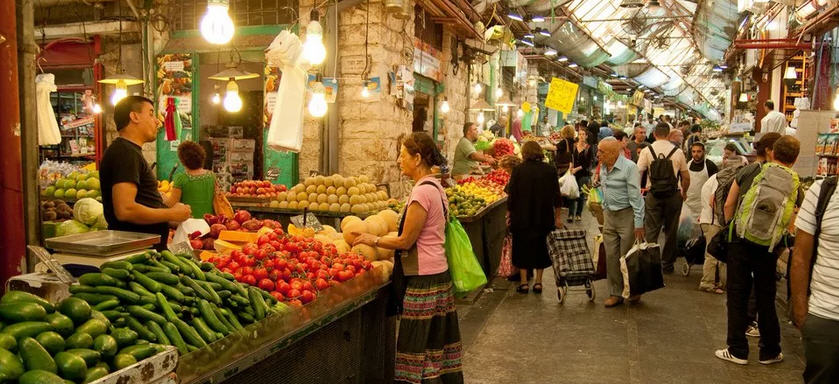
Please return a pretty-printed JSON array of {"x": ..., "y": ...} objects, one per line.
[{"x": 561, "y": 95}]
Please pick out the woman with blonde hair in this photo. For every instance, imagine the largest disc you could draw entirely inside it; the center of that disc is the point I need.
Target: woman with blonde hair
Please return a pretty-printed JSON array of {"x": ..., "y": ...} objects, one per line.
[{"x": 564, "y": 150}]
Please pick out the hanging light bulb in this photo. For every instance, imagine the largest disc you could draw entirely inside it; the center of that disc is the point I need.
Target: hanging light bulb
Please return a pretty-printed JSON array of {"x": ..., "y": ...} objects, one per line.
[
  {"x": 97, "y": 109},
  {"x": 520, "y": 113},
  {"x": 480, "y": 119},
  {"x": 477, "y": 88},
  {"x": 313, "y": 50},
  {"x": 216, "y": 99},
  {"x": 498, "y": 93},
  {"x": 836, "y": 100},
  {"x": 365, "y": 91},
  {"x": 444, "y": 106},
  {"x": 216, "y": 25},
  {"x": 505, "y": 108},
  {"x": 120, "y": 92},
  {"x": 317, "y": 104},
  {"x": 232, "y": 101}
]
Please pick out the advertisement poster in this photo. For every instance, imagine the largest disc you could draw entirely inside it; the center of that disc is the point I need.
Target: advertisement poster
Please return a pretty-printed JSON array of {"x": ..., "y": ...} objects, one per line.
[
  {"x": 561, "y": 95},
  {"x": 174, "y": 79}
]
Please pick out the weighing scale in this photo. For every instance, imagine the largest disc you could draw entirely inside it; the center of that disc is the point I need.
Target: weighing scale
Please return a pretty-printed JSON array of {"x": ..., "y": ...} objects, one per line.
[{"x": 96, "y": 248}]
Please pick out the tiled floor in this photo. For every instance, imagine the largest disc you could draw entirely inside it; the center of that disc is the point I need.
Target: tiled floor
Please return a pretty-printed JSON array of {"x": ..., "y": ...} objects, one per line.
[{"x": 670, "y": 337}]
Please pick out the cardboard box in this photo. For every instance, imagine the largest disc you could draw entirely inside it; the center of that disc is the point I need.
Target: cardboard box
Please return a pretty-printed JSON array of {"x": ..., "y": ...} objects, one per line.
[{"x": 42, "y": 284}]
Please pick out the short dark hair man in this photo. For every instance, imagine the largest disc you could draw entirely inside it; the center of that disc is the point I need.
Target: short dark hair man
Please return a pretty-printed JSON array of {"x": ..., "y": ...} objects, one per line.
[
  {"x": 466, "y": 157},
  {"x": 774, "y": 121},
  {"x": 660, "y": 206},
  {"x": 129, "y": 188}
]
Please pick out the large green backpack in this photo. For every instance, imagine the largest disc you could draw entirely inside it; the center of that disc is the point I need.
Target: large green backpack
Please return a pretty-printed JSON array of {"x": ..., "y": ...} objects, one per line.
[{"x": 768, "y": 205}]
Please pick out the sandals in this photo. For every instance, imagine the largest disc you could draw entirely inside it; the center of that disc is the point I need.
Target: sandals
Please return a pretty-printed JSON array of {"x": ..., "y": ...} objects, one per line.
[
  {"x": 537, "y": 288},
  {"x": 523, "y": 288}
]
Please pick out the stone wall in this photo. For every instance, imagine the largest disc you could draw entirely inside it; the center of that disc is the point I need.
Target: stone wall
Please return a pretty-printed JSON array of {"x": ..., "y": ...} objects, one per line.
[{"x": 456, "y": 88}]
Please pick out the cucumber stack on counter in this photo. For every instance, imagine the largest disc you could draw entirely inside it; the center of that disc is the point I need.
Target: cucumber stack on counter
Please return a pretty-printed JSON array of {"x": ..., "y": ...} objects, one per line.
[
  {"x": 172, "y": 299},
  {"x": 69, "y": 342}
]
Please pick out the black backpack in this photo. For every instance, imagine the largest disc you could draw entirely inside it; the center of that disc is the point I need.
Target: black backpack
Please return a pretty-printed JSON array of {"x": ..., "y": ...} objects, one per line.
[{"x": 663, "y": 182}]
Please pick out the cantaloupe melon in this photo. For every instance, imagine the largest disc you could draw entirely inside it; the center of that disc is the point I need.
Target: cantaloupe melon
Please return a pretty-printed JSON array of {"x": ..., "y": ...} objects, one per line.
[
  {"x": 343, "y": 199},
  {"x": 376, "y": 225},
  {"x": 311, "y": 189},
  {"x": 327, "y": 229},
  {"x": 351, "y": 230},
  {"x": 363, "y": 179},
  {"x": 302, "y": 196},
  {"x": 341, "y": 190},
  {"x": 334, "y": 207},
  {"x": 348, "y": 220},
  {"x": 312, "y": 198},
  {"x": 330, "y": 190},
  {"x": 324, "y": 207},
  {"x": 283, "y": 205},
  {"x": 367, "y": 251},
  {"x": 328, "y": 181},
  {"x": 323, "y": 238},
  {"x": 391, "y": 218},
  {"x": 319, "y": 180},
  {"x": 313, "y": 206},
  {"x": 331, "y": 199},
  {"x": 384, "y": 253},
  {"x": 292, "y": 205},
  {"x": 341, "y": 246},
  {"x": 321, "y": 189},
  {"x": 346, "y": 207}
]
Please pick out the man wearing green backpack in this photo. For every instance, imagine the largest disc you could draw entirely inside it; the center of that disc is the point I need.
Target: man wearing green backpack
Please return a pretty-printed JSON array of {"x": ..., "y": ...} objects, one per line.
[{"x": 759, "y": 224}]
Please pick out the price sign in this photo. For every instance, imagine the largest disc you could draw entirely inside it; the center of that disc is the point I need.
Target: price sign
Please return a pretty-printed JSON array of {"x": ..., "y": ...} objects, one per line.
[
  {"x": 561, "y": 95},
  {"x": 310, "y": 221}
]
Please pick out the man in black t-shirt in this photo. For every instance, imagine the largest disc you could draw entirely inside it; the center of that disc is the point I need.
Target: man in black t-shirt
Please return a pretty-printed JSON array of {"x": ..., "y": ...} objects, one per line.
[{"x": 129, "y": 188}]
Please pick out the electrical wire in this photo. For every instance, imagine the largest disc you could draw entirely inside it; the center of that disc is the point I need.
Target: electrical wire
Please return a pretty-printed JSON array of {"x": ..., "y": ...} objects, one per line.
[{"x": 366, "y": 43}]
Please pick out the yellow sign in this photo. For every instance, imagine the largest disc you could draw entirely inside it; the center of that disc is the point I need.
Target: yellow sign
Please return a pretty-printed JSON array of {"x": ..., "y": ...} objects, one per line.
[
  {"x": 561, "y": 95},
  {"x": 638, "y": 99}
]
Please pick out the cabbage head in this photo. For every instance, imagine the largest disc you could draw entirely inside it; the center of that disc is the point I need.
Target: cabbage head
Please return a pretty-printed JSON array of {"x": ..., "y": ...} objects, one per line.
[
  {"x": 70, "y": 227},
  {"x": 100, "y": 223},
  {"x": 87, "y": 210}
]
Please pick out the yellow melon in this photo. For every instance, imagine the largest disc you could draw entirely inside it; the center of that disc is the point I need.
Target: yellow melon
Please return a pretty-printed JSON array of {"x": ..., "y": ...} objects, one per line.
[
  {"x": 376, "y": 225},
  {"x": 342, "y": 246},
  {"x": 391, "y": 218},
  {"x": 302, "y": 196},
  {"x": 309, "y": 181},
  {"x": 323, "y": 207},
  {"x": 347, "y": 220},
  {"x": 283, "y": 205},
  {"x": 321, "y": 188},
  {"x": 331, "y": 199},
  {"x": 342, "y": 199},
  {"x": 328, "y": 181},
  {"x": 367, "y": 251},
  {"x": 384, "y": 253},
  {"x": 327, "y": 229},
  {"x": 363, "y": 179},
  {"x": 341, "y": 190},
  {"x": 330, "y": 190},
  {"x": 322, "y": 197},
  {"x": 313, "y": 206},
  {"x": 350, "y": 182},
  {"x": 334, "y": 207},
  {"x": 352, "y": 229},
  {"x": 311, "y": 189},
  {"x": 346, "y": 207},
  {"x": 323, "y": 238},
  {"x": 313, "y": 197},
  {"x": 292, "y": 205}
]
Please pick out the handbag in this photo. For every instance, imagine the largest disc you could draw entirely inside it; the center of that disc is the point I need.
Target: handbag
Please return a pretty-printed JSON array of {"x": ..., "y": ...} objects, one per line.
[
  {"x": 599, "y": 258},
  {"x": 718, "y": 245},
  {"x": 505, "y": 267},
  {"x": 641, "y": 269},
  {"x": 467, "y": 274},
  {"x": 221, "y": 206}
]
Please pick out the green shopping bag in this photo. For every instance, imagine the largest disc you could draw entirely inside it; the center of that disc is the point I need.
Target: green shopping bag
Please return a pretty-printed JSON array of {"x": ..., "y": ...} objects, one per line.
[{"x": 467, "y": 274}]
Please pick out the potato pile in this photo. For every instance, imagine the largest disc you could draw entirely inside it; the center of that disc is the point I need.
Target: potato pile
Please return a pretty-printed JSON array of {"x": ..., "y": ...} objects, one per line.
[{"x": 336, "y": 194}]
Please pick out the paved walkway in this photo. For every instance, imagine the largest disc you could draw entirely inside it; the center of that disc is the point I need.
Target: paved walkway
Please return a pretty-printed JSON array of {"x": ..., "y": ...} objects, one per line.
[{"x": 670, "y": 337}]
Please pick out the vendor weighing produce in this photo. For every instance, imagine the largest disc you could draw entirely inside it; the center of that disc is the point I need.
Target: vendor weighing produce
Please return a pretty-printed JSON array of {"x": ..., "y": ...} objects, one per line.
[
  {"x": 129, "y": 188},
  {"x": 466, "y": 157}
]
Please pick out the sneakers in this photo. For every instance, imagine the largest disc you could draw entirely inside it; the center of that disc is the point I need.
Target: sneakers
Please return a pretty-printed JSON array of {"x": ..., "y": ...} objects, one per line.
[
  {"x": 725, "y": 355},
  {"x": 776, "y": 359},
  {"x": 752, "y": 331}
]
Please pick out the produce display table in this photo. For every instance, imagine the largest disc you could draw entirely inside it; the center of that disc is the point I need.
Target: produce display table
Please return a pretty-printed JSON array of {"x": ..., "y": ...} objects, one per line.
[
  {"x": 344, "y": 336},
  {"x": 283, "y": 215},
  {"x": 486, "y": 232}
]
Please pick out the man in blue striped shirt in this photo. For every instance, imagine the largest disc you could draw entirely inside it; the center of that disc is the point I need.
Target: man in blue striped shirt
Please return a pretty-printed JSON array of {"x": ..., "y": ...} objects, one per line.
[{"x": 623, "y": 213}]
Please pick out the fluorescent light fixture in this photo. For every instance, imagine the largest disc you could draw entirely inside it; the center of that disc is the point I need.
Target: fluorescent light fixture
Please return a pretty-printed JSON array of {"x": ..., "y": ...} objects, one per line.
[
  {"x": 723, "y": 66},
  {"x": 622, "y": 77},
  {"x": 572, "y": 65},
  {"x": 562, "y": 59},
  {"x": 550, "y": 52},
  {"x": 544, "y": 32},
  {"x": 717, "y": 68},
  {"x": 613, "y": 74},
  {"x": 527, "y": 42},
  {"x": 515, "y": 16},
  {"x": 528, "y": 35},
  {"x": 538, "y": 19}
]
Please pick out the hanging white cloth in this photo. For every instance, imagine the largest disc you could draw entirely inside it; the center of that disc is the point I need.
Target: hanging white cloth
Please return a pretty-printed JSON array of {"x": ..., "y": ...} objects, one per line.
[
  {"x": 48, "y": 133},
  {"x": 286, "y": 130}
]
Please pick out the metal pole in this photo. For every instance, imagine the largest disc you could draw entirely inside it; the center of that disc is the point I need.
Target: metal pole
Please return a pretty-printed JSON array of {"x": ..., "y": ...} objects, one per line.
[
  {"x": 25, "y": 12},
  {"x": 329, "y": 129}
]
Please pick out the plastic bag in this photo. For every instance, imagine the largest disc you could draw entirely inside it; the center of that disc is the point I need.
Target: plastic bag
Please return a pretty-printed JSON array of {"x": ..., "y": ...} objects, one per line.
[
  {"x": 568, "y": 186},
  {"x": 467, "y": 274},
  {"x": 688, "y": 229}
]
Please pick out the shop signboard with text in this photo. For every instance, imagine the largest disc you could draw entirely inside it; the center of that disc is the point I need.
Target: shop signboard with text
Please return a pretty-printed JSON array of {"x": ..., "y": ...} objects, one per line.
[{"x": 561, "y": 95}]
